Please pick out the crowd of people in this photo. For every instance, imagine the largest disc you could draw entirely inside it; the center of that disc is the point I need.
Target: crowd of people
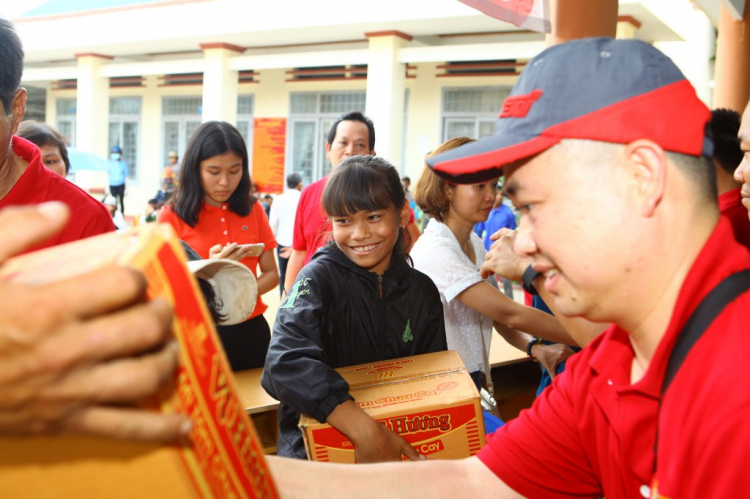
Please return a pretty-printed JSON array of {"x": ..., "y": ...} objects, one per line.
[{"x": 632, "y": 246}]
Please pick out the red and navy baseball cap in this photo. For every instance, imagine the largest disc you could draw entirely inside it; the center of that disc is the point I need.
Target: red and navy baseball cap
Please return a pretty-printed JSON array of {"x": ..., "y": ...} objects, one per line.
[{"x": 595, "y": 89}]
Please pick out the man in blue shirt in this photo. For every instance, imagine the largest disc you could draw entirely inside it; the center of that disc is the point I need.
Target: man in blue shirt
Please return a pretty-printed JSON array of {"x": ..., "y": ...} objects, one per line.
[
  {"x": 118, "y": 172},
  {"x": 501, "y": 216}
]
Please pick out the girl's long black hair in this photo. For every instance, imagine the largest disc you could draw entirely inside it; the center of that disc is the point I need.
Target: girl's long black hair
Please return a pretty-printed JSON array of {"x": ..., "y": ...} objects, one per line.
[
  {"x": 213, "y": 138},
  {"x": 366, "y": 183}
]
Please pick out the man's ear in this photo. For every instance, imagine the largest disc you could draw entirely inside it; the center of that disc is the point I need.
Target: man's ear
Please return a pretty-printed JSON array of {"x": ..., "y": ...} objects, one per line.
[
  {"x": 373, "y": 153},
  {"x": 647, "y": 164},
  {"x": 18, "y": 108},
  {"x": 328, "y": 149}
]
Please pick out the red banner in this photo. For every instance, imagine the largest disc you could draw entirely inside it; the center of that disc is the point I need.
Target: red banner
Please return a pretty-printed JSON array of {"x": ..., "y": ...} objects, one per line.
[
  {"x": 528, "y": 14},
  {"x": 269, "y": 142}
]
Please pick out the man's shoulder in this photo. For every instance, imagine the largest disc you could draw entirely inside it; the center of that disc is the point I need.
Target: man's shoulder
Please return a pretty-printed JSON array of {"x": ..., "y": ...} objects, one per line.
[
  {"x": 314, "y": 189},
  {"x": 63, "y": 190}
]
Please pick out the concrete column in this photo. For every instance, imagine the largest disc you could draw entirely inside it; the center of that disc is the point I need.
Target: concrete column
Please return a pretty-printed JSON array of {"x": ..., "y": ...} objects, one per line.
[
  {"x": 386, "y": 83},
  {"x": 152, "y": 156},
  {"x": 220, "y": 84},
  {"x": 50, "y": 110},
  {"x": 732, "y": 69},
  {"x": 423, "y": 134},
  {"x": 92, "y": 105},
  {"x": 572, "y": 19}
]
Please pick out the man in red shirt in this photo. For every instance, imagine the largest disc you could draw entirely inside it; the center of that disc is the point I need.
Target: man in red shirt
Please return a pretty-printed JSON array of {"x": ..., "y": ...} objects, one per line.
[
  {"x": 604, "y": 149},
  {"x": 23, "y": 178},
  {"x": 351, "y": 135},
  {"x": 725, "y": 125}
]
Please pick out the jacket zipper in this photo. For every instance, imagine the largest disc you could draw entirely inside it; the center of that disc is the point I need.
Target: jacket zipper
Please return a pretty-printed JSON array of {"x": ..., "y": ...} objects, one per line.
[{"x": 383, "y": 323}]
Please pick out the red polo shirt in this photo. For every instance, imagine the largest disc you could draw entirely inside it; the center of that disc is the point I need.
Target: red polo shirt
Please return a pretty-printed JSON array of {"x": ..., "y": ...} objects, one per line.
[
  {"x": 730, "y": 206},
  {"x": 219, "y": 225},
  {"x": 310, "y": 224},
  {"x": 592, "y": 433},
  {"x": 88, "y": 217}
]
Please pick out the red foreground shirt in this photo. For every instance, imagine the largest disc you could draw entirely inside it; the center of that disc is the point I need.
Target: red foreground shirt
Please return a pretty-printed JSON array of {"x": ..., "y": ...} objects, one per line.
[
  {"x": 88, "y": 217},
  {"x": 730, "y": 206},
  {"x": 311, "y": 224},
  {"x": 220, "y": 225},
  {"x": 592, "y": 433}
]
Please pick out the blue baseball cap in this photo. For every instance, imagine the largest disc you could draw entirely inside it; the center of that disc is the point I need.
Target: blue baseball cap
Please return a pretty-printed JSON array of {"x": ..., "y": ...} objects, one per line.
[{"x": 594, "y": 89}]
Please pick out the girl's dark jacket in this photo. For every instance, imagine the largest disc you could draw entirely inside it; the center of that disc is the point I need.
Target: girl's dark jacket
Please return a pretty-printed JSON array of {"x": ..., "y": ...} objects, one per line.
[{"x": 336, "y": 316}]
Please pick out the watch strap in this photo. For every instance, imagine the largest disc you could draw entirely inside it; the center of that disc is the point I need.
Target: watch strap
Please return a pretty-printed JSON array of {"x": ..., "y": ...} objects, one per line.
[{"x": 527, "y": 280}]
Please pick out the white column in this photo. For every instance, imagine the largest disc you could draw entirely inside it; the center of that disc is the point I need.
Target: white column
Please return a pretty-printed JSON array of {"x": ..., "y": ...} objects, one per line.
[
  {"x": 152, "y": 157},
  {"x": 220, "y": 83},
  {"x": 386, "y": 83},
  {"x": 92, "y": 105}
]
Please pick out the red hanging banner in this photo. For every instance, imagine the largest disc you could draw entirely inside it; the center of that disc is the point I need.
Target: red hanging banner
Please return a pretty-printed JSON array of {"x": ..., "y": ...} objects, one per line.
[{"x": 529, "y": 14}]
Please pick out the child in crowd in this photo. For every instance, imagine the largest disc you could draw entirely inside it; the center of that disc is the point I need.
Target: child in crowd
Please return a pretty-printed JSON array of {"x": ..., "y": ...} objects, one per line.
[
  {"x": 151, "y": 211},
  {"x": 357, "y": 301}
]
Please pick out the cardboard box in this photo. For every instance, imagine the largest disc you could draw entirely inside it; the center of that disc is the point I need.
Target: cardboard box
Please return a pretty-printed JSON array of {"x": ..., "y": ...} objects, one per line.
[
  {"x": 225, "y": 458},
  {"x": 430, "y": 400}
]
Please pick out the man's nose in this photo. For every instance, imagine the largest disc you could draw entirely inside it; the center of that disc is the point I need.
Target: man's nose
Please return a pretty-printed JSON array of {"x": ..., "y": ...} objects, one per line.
[
  {"x": 738, "y": 173},
  {"x": 524, "y": 245}
]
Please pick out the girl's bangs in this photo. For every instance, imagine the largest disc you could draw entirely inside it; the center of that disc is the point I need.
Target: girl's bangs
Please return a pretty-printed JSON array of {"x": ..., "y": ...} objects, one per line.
[{"x": 354, "y": 190}]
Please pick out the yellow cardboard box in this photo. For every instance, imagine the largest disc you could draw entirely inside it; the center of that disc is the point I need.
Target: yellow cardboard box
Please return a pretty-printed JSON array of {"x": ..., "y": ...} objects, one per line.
[
  {"x": 225, "y": 458},
  {"x": 430, "y": 400}
]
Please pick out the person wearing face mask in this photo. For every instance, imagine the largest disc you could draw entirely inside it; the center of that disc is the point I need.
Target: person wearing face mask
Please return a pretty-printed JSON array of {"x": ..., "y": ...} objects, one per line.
[{"x": 118, "y": 173}]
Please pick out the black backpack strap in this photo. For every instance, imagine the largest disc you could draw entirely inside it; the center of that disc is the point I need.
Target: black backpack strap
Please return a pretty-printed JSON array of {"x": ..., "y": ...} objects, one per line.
[
  {"x": 702, "y": 317},
  {"x": 704, "y": 314}
]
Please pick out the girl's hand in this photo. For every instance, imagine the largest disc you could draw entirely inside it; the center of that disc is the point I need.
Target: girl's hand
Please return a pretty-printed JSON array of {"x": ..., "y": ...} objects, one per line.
[
  {"x": 372, "y": 441},
  {"x": 231, "y": 251},
  {"x": 382, "y": 444}
]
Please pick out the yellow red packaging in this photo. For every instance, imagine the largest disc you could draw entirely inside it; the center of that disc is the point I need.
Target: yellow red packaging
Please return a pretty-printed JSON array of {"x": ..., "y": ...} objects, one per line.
[
  {"x": 225, "y": 459},
  {"x": 430, "y": 400}
]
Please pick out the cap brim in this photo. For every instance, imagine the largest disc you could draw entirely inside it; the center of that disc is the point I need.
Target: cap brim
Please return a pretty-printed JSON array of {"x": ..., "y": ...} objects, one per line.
[
  {"x": 234, "y": 284},
  {"x": 484, "y": 159}
]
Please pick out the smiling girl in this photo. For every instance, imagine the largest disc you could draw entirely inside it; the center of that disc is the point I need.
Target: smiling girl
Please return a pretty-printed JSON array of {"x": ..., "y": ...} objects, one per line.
[
  {"x": 357, "y": 301},
  {"x": 214, "y": 212}
]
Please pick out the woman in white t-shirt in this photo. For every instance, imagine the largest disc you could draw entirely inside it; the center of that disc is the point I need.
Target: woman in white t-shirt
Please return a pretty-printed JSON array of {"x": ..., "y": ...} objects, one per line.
[{"x": 451, "y": 254}]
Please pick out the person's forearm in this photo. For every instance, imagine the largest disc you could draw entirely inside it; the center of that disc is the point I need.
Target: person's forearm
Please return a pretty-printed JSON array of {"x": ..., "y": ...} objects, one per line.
[
  {"x": 514, "y": 337},
  {"x": 295, "y": 264},
  {"x": 267, "y": 281},
  {"x": 433, "y": 479},
  {"x": 350, "y": 420},
  {"x": 542, "y": 325}
]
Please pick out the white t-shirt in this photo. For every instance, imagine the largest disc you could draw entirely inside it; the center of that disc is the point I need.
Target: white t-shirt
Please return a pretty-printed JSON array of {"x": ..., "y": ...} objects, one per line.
[
  {"x": 281, "y": 218},
  {"x": 438, "y": 254}
]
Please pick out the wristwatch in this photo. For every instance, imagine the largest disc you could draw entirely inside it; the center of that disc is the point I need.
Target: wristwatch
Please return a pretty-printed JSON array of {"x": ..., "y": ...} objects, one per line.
[
  {"x": 528, "y": 278},
  {"x": 530, "y": 344}
]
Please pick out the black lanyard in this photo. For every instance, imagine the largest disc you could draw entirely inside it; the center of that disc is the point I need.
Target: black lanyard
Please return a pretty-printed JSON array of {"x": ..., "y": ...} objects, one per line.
[{"x": 702, "y": 317}]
